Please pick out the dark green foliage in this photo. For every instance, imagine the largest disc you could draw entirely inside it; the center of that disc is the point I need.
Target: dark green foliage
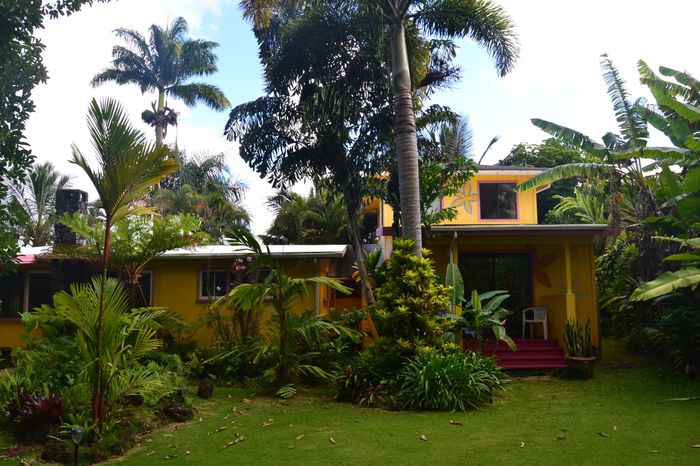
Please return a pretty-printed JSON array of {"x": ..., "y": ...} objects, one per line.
[
  {"x": 57, "y": 451},
  {"x": 454, "y": 381},
  {"x": 676, "y": 332},
  {"x": 50, "y": 364},
  {"x": 370, "y": 377},
  {"x": 22, "y": 69},
  {"x": 410, "y": 301}
]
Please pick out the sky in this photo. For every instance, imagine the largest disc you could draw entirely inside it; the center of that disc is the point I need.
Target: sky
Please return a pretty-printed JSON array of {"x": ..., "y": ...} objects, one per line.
[{"x": 556, "y": 78}]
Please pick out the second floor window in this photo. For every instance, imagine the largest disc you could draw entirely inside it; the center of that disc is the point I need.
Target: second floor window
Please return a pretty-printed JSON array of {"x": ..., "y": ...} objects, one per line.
[{"x": 498, "y": 201}]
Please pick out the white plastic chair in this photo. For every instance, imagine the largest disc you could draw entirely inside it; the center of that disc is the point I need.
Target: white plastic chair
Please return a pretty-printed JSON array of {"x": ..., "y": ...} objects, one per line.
[{"x": 539, "y": 316}]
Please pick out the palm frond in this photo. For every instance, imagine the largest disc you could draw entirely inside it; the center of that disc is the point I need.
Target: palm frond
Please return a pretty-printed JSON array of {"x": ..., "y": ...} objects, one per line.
[
  {"x": 482, "y": 21},
  {"x": 192, "y": 93}
]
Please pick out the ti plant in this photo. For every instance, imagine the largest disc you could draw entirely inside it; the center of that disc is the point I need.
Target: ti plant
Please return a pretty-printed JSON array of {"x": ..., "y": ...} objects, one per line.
[{"x": 578, "y": 339}]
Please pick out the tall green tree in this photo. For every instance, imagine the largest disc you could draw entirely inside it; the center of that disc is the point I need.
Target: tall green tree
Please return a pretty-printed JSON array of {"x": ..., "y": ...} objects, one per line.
[
  {"x": 36, "y": 197},
  {"x": 480, "y": 20},
  {"x": 128, "y": 166},
  {"x": 165, "y": 63},
  {"x": 326, "y": 112},
  {"x": 408, "y": 23},
  {"x": 317, "y": 218},
  {"x": 22, "y": 69}
]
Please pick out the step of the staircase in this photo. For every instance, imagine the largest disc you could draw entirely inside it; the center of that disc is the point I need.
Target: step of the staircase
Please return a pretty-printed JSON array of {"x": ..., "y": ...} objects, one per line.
[
  {"x": 533, "y": 364},
  {"x": 520, "y": 356}
]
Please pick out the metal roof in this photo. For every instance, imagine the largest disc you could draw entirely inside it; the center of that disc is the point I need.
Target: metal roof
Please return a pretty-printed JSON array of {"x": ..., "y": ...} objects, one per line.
[{"x": 31, "y": 254}]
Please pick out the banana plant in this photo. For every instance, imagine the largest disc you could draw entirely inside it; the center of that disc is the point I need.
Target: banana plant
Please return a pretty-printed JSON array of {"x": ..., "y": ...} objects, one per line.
[
  {"x": 687, "y": 276},
  {"x": 483, "y": 313}
]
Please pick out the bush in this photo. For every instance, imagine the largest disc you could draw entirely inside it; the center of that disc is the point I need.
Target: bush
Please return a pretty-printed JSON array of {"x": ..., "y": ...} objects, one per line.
[
  {"x": 50, "y": 364},
  {"x": 454, "y": 381},
  {"x": 35, "y": 415},
  {"x": 410, "y": 301},
  {"x": 370, "y": 377}
]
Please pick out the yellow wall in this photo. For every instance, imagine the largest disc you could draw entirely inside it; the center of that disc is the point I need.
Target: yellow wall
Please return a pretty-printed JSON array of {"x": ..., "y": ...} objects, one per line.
[
  {"x": 466, "y": 202},
  {"x": 176, "y": 287}
]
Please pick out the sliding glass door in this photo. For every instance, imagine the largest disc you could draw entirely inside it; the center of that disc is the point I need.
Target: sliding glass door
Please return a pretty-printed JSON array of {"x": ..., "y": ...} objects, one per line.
[{"x": 509, "y": 272}]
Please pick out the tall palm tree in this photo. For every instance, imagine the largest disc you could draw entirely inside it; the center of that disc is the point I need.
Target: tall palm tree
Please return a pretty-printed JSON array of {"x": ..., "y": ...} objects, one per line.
[
  {"x": 37, "y": 197},
  {"x": 127, "y": 167},
  {"x": 482, "y": 21},
  {"x": 165, "y": 64}
]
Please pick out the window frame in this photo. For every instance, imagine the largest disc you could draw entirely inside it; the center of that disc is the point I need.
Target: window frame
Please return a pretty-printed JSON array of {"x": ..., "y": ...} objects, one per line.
[
  {"x": 514, "y": 183},
  {"x": 150, "y": 287},
  {"x": 205, "y": 299},
  {"x": 25, "y": 298}
]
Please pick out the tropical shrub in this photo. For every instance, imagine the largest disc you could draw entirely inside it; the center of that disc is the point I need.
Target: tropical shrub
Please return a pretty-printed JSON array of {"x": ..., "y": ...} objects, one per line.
[
  {"x": 448, "y": 382},
  {"x": 370, "y": 377},
  {"x": 289, "y": 337},
  {"x": 411, "y": 304},
  {"x": 50, "y": 364}
]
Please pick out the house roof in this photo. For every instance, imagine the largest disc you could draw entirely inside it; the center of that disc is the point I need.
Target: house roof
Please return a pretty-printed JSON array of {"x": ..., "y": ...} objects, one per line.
[
  {"x": 510, "y": 170},
  {"x": 280, "y": 251},
  {"x": 520, "y": 229},
  {"x": 29, "y": 255}
]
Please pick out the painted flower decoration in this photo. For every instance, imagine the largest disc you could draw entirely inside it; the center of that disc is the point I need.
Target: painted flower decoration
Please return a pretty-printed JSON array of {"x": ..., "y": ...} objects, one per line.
[{"x": 465, "y": 198}]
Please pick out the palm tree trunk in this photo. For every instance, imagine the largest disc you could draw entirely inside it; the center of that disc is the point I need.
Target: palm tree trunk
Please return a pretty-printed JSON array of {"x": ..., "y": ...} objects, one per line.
[
  {"x": 405, "y": 134},
  {"x": 98, "y": 390},
  {"x": 354, "y": 230},
  {"x": 159, "y": 121}
]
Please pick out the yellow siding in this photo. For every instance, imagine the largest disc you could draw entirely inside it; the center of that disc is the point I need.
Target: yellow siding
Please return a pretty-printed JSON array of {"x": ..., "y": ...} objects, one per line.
[
  {"x": 466, "y": 202},
  {"x": 176, "y": 287}
]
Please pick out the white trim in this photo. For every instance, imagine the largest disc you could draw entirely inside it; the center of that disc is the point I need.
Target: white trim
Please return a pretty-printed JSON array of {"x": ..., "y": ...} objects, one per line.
[
  {"x": 25, "y": 300},
  {"x": 201, "y": 280}
]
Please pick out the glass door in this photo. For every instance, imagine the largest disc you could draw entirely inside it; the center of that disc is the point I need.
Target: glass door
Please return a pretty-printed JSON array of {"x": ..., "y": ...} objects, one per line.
[{"x": 509, "y": 272}]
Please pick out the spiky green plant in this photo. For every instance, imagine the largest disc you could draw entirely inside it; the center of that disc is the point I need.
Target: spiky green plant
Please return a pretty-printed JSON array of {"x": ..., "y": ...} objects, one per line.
[{"x": 578, "y": 339}]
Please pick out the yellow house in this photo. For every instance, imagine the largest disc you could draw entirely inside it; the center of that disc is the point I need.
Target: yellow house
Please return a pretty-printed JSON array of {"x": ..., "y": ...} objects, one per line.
[
  {"x": 495, "y": 239},
  {"x": 184, "y": 281},
  {"x": 498, "y": 245}
]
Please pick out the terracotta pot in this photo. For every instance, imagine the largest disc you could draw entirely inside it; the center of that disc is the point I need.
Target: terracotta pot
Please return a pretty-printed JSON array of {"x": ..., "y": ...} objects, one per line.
[{"x": 582, "y": 364}]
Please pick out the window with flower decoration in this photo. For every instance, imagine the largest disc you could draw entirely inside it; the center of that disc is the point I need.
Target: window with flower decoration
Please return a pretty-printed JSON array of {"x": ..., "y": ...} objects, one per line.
[{"x": 498, "y": 201}]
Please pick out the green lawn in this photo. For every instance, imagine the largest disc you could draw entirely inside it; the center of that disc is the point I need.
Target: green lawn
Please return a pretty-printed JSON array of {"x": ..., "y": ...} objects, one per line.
[{"x": 616, "y": 418}]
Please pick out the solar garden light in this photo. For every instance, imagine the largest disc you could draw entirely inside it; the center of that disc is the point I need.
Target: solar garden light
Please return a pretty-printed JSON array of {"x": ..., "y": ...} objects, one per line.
[{"x": 76, "y": 434}]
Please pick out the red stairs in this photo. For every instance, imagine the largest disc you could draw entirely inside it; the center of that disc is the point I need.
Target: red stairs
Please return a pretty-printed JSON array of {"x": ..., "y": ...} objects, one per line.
[{"x": 531, "y": 354}]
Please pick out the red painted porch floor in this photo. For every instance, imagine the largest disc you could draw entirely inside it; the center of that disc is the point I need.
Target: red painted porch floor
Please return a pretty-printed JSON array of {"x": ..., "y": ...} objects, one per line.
[{"x": 531, "y": 354}]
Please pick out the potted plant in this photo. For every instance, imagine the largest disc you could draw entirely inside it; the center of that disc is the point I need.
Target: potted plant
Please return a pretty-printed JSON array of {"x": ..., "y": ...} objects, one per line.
[{"x": 579, "y": 347}]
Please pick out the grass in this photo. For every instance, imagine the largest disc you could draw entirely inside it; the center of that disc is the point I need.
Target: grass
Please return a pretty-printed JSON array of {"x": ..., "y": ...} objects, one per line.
[{"x": 615, "y": 418}]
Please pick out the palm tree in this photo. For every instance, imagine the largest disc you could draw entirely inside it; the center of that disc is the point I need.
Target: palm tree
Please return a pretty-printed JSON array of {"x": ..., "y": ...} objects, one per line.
[
  {"x": 127, "y": 167},
  {"x": 37, "y": 197},
  {"x": 165, "y": 64},
  {"x": 480, "y": 20}
]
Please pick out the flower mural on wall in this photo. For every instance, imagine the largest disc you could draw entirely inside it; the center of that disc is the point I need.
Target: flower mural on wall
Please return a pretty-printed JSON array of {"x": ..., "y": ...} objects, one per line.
[
  {"x": 465, "y": 198},
  {"x": 541, "y": 263}
]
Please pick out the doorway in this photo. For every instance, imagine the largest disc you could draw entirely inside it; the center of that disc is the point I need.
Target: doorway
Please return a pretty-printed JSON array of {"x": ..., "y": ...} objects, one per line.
[{"x": 503, "y": 271}]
